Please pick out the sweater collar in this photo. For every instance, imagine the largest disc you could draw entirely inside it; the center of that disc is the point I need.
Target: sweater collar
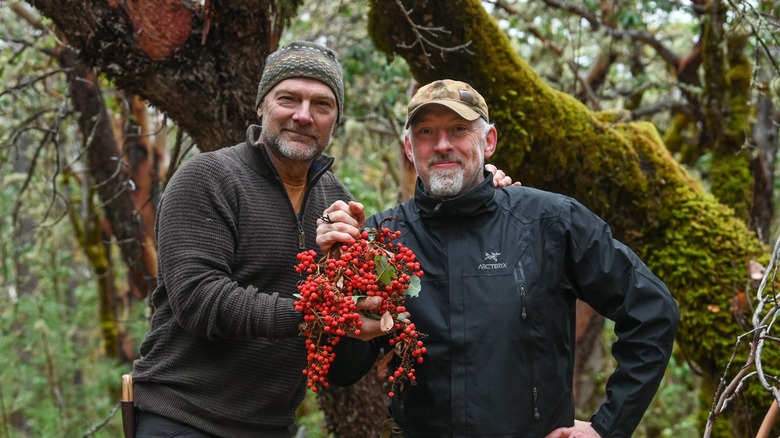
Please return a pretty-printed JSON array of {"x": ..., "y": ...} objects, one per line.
[
  {"x": 260, "y": 161},
  {"x": 476, "y": 201}
]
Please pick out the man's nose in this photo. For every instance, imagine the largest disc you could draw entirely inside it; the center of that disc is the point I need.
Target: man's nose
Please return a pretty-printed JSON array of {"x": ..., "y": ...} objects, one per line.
[
  {"x": 442, "y": 141},
  {"x": 303, "y": 113}
]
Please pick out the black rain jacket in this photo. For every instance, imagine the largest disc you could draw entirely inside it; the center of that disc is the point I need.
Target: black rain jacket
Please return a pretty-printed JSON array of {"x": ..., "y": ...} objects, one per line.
[{"x": 503, "y": 269}]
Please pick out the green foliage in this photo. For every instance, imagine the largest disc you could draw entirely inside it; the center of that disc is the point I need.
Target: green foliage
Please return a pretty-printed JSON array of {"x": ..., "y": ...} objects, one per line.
[
  {"x": 54, "y": 380},
  {"x": 414, "y": 287},
  {"x": 368, "y": 179},
  {"x": 673, "y": 412},
  {"x": 311, "y": 418}
]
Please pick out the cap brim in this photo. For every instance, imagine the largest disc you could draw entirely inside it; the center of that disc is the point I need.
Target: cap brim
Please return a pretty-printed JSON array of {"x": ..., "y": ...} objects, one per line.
[{"x": 461, "y": 109}]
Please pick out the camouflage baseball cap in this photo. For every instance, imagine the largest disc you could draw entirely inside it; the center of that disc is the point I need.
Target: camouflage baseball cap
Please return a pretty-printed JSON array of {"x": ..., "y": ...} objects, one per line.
[{"x": 455, "y": 95}]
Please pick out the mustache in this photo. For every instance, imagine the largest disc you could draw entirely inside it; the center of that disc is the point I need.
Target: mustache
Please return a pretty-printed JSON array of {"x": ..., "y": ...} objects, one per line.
[
  {"x": 296, "y": 128},
  {"x": 447, "y": 157}
]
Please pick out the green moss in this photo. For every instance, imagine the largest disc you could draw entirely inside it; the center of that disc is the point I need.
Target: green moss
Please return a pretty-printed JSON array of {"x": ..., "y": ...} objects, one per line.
[
  {"x": 679, "y": 139},
  {"x": 732, "y": 181}
]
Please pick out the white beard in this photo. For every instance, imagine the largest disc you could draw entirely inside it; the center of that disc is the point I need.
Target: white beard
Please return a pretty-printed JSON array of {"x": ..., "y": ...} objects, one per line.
[{"x": 446, "y": 183}]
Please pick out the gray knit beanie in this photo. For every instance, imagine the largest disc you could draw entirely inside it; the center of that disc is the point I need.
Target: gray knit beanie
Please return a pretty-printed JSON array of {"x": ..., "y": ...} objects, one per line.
[{"x": 303, "y": 59}]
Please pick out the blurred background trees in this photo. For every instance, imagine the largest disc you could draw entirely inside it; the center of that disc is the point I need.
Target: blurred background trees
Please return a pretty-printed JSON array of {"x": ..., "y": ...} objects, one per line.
[{"x": 661, "y": 116}]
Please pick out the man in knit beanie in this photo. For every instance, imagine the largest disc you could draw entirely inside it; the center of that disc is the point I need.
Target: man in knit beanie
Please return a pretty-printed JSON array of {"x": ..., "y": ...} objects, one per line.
[
  {"x": 303, "y": 59},
  {"x": 224, "y": 356}
]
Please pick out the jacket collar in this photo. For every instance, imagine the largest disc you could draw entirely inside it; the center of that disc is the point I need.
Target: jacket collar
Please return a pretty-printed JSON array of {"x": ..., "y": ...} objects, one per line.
[
  {"x": 256, "y": 156},
  {"x": 476, "y": 201}
]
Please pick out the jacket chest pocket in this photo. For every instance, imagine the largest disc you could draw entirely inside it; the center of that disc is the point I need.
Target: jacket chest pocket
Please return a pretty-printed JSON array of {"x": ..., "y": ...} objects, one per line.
[{"x": 495, "y": 302}]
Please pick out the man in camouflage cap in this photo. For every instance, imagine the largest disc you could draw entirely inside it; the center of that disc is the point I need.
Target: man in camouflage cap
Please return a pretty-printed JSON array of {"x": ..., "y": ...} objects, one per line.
[{"x": 504, "y": 270}]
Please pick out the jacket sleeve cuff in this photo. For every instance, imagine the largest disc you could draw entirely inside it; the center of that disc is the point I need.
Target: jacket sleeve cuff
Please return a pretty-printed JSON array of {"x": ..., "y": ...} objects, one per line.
[{"x": 598, "y": 424}]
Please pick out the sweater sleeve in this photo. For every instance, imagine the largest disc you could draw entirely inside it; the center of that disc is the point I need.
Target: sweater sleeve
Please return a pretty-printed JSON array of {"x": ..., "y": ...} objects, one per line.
[
  {"x": 611, "y": 278},
  {"x": 197, "y": 235}
]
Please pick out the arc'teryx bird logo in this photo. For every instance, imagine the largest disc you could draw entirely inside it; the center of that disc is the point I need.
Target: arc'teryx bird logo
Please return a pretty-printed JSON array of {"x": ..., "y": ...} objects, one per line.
[{"x": 492, "y": 257}]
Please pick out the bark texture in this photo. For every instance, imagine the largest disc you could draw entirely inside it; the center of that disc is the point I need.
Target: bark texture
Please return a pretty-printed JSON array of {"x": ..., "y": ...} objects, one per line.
[{"x": 356, "y": 411}]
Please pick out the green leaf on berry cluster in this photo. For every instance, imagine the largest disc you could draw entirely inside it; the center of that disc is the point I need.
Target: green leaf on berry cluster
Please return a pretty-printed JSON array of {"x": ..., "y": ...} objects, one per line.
[
  {"x": 414, "y": 287},
  {"x": 384, "y": 271}
]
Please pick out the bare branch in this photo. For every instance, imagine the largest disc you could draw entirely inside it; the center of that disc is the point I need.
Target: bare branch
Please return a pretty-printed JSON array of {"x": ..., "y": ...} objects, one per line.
[
  {"x": 764, "y": 317},
  {"x": 658, "y": 107},
  {"x": 422, "y": 41},
  {"x": 649, "y": 39},
  {"x": 32, "y": 81},
  {"x": 763, "y": 20},
  {"x": 26, "y": 13}
]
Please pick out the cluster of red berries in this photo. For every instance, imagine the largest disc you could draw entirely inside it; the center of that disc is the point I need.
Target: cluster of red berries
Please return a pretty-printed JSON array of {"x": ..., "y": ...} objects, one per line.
[{"x": 374, "y": 265}]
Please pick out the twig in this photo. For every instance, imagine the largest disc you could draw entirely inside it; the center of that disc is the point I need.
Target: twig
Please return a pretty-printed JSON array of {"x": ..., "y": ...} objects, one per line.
[
  {"x": 422, "y": 41},
  {"x": 94, "y": 429},
  {"x": 764, "y": 318}
]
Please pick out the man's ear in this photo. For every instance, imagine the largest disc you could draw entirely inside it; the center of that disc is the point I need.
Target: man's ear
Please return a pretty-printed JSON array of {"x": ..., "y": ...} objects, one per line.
[
  {"x": 408, "y": 149},
  {"x": 491, "y": 141},
  {"x": 260, "y": 111}
]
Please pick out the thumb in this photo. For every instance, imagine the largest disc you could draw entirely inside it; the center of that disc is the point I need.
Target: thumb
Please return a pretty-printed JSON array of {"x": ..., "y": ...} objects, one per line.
[
  {"x": 369, "y": 303},
  {"x": 357, "y": 211}
]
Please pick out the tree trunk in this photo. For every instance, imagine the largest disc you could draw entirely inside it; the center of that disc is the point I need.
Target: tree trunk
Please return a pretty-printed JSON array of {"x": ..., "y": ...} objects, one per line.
[
  {"x": 110, "y": 175},
  {"x": 619, "y": 170},
  {"x": 763, "y": 165},
  {"x": 356, "y": 411},
  {"x": 92, "y": 235},
  {"x": 727, "y": 76},
  {"x": 143, "y": 161}
]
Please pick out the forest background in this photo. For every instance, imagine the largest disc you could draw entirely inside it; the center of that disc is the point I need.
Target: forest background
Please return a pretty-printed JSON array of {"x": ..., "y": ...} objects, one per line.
[{"x": 661, "y": 116}]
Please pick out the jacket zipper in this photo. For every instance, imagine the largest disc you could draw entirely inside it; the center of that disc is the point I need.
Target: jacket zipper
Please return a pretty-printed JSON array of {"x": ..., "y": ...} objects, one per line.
[
  {"x": 319, "y": 170},
  {"x": 536, "y": 406},
  {"x": 301, "y": 236},
  {"x": 309, "y": 184},
  {"x": 520, "y": 284}
]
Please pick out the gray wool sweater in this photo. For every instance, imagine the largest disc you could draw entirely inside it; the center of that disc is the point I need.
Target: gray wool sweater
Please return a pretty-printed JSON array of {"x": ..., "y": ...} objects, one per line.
[{"x": 223, "y": 353}]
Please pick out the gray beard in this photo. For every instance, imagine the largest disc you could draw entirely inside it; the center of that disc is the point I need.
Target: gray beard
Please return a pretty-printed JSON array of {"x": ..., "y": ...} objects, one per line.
[
  {"x": 287, "y": 151},
  {"x": 446, "y": 183}
]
